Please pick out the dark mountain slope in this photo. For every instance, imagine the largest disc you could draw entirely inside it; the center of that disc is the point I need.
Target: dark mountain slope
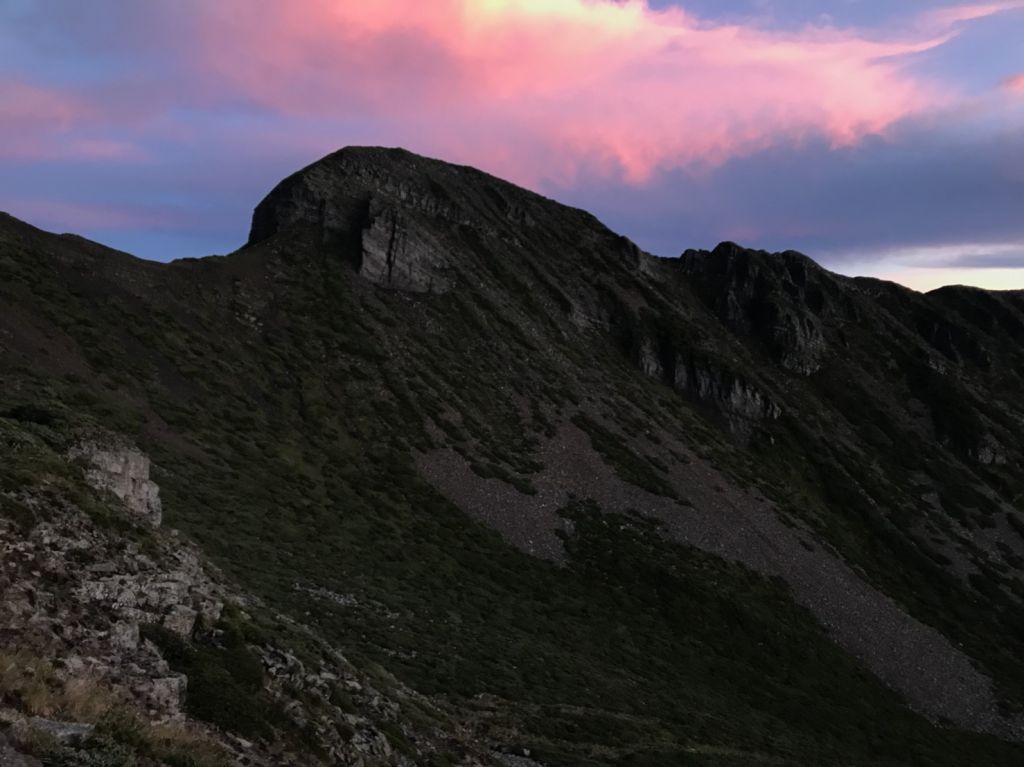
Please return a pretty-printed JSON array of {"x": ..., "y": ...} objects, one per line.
[{"x": 603, "y": 505}]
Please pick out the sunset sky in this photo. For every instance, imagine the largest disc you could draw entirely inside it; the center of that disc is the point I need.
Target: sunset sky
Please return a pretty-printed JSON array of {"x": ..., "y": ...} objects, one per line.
[{"x": 881, "y": 137}]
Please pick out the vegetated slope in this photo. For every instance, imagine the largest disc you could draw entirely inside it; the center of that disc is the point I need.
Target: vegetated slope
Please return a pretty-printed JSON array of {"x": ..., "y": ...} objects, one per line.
[
  {"x": 728, "y": 508},
  {"x": 122, "y": 648}
]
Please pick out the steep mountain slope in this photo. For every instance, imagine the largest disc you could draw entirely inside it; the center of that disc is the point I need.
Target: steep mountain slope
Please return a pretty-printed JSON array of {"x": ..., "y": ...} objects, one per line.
[{"x": 723, "y": 509}]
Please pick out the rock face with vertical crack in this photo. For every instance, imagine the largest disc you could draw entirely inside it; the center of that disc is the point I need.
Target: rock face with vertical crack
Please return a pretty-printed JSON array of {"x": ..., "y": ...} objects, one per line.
[{"x": 398, "y": 254}]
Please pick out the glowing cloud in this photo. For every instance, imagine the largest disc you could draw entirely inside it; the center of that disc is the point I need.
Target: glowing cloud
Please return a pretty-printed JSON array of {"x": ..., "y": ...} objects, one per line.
[
  {"x": 1015, "y": 83},
  {"x": 542, "y": 90}
]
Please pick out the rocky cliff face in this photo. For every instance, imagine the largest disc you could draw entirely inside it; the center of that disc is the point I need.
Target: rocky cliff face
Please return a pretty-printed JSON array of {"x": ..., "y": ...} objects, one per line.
[
  {"x": 124, "y": 471},
  {"x": 781, "y": 300},
  {"x": 481, "y": 478},
  {"x": 395, "y": 216},
  {"x": 397, "y": 254},
  {"x": 371, "y": 218}
]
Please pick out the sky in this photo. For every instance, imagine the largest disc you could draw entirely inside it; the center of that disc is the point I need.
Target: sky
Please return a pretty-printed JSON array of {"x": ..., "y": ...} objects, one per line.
[{"x": 880, "y": 137}]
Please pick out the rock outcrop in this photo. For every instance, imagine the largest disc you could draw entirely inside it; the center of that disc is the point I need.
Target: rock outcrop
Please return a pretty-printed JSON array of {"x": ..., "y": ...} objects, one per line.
[
  {"x": 731, "y": 393},
  {"x": 67, "y": 583},
  {"x": 65, "y": 733},
  {"x": 779, "y": 299},
  {"x": 123, "y": 470},
  {"x": 701, "y": 377},
  {"x": 95, "y": 623}
]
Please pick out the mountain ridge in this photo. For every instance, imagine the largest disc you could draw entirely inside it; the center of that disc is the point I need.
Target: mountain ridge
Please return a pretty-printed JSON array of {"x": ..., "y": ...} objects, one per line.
[
  {"x": 442, "y": 376},
  {"x": 367, "y": 155}
]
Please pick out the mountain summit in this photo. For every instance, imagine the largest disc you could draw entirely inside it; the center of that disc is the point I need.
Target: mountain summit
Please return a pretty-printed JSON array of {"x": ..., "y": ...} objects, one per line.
[
  {"x": 450, "y": 473},
  {"x": 400, "y": 218}
]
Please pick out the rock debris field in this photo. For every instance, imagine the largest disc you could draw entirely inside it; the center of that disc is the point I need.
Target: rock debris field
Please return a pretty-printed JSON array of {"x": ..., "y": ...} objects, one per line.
[{"x": 938, "y": 680}]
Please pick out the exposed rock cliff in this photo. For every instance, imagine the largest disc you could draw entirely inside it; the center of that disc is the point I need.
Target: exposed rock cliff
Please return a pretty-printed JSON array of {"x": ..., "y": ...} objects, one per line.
[
  {"x": 398, "y": 254},
  {"x": 780, "y": 300},
  {"x": 124, "y": 471}
]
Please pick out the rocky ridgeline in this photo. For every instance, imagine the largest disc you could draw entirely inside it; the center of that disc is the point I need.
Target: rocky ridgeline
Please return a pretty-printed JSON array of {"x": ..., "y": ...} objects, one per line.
[
  {"x": 399, "y": 219},
  {"x": 402, "y": 220}
]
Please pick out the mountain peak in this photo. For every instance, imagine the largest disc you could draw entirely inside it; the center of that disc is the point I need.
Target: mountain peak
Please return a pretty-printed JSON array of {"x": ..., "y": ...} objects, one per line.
[
  {"x": 399, "y": 217},
  {"x": 327, "y": 192}
]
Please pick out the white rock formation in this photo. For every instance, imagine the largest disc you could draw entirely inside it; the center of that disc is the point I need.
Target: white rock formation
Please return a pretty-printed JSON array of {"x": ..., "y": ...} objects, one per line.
[{"x": 124, "y": 471}]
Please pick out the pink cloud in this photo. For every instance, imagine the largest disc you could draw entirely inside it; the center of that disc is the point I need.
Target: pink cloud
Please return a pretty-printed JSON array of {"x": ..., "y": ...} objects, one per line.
[
  {"x": 47, "y": 123},
  {"x": 569, "y": 84},
  {"x": 1015, "y": 83},
  {"x": 541, "y": 91},
  {"x": 25, "y": 107}
]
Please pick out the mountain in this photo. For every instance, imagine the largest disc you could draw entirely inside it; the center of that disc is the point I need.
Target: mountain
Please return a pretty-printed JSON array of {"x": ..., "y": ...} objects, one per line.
[{"x": 435, "y": 470}]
